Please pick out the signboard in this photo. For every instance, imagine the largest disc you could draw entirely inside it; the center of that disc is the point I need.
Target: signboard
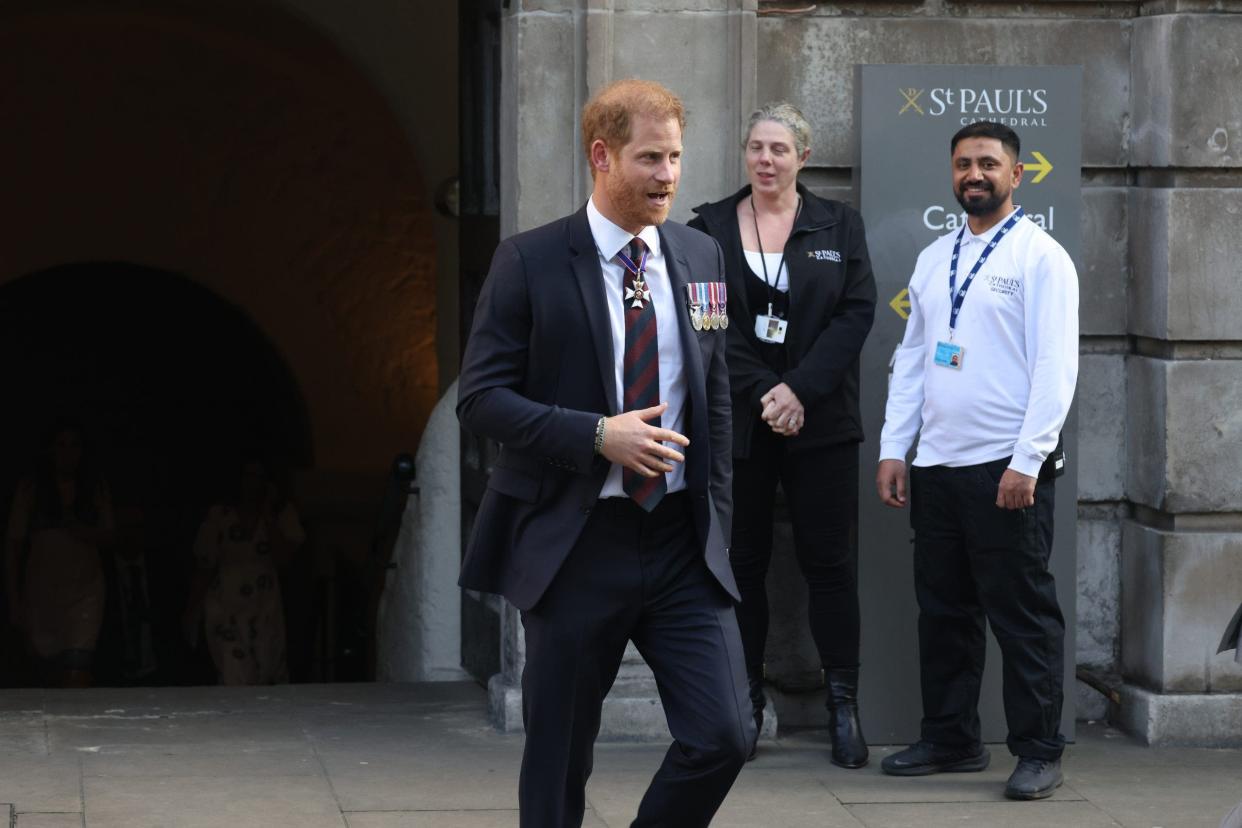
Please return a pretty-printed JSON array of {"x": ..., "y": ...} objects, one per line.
[{"x": 908, "y": 114}]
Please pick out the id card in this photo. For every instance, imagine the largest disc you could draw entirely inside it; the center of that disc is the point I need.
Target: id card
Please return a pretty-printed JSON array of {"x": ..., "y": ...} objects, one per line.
[
  {"x": 771, "y": 329},
  {"x": 949, "y": 354}
]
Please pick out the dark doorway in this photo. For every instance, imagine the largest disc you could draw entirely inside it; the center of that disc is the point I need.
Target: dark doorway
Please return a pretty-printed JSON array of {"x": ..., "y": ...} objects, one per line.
[{"x": 173, "y": 388}]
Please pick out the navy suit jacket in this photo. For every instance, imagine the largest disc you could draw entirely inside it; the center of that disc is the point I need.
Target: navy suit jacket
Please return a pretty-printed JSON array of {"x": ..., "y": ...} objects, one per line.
[{"x": 539, "y": 372}]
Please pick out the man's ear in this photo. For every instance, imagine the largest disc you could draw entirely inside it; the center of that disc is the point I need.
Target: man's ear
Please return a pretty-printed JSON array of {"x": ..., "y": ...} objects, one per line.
[
  {"x": 601, "y": 160},
  {"x": 1017, "y": 174}
]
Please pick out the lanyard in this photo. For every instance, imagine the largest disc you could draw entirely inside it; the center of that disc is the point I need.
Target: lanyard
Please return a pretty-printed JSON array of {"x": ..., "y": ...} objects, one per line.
[
  {"x": 763, "y": 259},
  {"x": 958, "y": 297}
]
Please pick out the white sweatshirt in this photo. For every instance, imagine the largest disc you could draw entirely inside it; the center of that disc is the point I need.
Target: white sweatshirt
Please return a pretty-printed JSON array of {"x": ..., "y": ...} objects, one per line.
[{"x": 1018, "y": 328}]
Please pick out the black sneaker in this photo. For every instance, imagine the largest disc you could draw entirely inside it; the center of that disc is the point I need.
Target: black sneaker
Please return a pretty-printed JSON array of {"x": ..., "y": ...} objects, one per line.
[
  {"x": 1034, "y": 778},
  {"x": 924, "y": 758}
]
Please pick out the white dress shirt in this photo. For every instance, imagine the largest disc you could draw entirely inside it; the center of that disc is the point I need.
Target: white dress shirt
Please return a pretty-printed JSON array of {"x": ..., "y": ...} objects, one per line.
[
  {"x": 1018, "y": 328},
  {"x": 609, "y": 241}
]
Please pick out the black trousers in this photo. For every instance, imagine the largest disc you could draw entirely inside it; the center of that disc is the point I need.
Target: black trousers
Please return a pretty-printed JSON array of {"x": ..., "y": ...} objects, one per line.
[
  {"x": 641, "y": 577},
  {"x": 821, "y": 488},
  {"x": 973, "y": 560}
]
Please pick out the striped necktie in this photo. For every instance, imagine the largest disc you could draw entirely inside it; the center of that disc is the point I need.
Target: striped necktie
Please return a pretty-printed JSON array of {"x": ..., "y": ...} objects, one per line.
[{"x": 642, "y": 364}]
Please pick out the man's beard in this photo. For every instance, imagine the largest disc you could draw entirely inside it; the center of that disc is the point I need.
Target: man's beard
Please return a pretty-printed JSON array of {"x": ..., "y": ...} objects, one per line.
[
  {"x": 981, "y": 206},
  {"x": 631, "y": 203}
]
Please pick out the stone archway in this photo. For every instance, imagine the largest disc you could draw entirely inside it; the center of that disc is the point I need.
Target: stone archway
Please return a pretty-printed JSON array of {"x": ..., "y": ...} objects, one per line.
[
  {"x": 234, "y": 143},
  {"x": 170, "y": 403}
]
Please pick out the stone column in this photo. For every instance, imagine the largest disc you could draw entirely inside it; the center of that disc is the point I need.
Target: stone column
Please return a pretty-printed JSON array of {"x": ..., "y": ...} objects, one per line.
[
  {"x": 420, "y": 609},
  {"x": 555, "y": 55},
  {"x": 1181, "y": 566}
]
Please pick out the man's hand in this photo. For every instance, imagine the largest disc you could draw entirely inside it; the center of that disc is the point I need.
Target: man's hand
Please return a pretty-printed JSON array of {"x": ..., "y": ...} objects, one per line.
[
  {"x": 628, "y": 440},
  {"x": 890, "y": 483},
  {"x": 782, "y": 410},
  {"x": 1016, "y": 490}
]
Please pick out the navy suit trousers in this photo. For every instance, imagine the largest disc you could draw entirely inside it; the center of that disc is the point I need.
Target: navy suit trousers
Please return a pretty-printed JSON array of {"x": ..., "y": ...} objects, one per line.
[{"x": 640, "y": 577}]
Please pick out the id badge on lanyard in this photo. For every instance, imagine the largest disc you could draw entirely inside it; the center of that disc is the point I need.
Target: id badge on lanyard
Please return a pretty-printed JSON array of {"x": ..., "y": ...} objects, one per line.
[
  {"x": 949, "y": 354},
  {"x": 771, "y": 329}
]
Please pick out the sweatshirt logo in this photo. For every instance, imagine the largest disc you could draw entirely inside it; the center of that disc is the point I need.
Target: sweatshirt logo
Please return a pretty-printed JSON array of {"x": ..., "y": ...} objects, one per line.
[
  {"x": 1003, "y": 285},
  {"x": 824, "y": 255}
]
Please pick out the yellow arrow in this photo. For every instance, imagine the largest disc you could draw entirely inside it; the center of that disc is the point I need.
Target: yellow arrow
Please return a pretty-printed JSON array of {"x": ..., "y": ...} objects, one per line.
[
  {"x": 901, "y": 303},
  {"x": 1041, "y": 169}
]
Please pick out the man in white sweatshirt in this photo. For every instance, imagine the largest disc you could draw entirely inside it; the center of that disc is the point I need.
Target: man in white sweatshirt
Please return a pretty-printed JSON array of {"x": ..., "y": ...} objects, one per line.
[{"x": 984, "y": 379}]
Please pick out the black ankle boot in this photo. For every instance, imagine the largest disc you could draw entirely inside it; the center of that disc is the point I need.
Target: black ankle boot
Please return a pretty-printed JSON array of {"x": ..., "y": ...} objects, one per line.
[
  {"x": 849, "y": 748},
  {"x": 757, "y": 702}
]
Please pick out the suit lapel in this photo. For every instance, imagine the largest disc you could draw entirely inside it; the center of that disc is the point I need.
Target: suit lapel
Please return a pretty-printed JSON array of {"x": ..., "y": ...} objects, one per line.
[
  {"x": 692, "y": 361},
  {"x": 590, "y": 278}
]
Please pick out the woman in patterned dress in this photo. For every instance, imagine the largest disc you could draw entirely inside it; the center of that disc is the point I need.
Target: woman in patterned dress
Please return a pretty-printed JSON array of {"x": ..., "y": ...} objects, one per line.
[{"x": 238, "y": 552}]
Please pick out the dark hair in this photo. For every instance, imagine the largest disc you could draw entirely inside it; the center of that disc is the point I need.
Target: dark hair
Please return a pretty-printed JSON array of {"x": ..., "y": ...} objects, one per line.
[
  {"x": 989, "y": 129},
  {"x": 48, "y": 511}
]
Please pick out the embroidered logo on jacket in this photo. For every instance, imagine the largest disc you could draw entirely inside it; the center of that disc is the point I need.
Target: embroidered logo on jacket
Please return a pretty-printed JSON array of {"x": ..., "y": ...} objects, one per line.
[{"x": 824, "y": 255}]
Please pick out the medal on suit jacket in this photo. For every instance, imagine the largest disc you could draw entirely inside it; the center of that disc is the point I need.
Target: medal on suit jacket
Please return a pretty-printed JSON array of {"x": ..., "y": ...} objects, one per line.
[
  {"x": 720, "y": 319},
  {"x": 708, "y": 305},
  {"x": 696, "y": 299}
]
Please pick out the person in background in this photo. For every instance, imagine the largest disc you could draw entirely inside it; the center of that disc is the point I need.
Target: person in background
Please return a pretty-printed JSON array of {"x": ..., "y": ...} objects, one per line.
[
  {"x": 59, "y": 519},
  {"x": 235, "y": 594},
  {"x": 984, "y": 378},
  {"x": 802, "y": 302}
]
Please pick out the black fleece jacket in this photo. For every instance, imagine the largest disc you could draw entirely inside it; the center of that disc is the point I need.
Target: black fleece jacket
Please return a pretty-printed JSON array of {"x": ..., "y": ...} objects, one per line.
[{"x": 831, "y": 307}]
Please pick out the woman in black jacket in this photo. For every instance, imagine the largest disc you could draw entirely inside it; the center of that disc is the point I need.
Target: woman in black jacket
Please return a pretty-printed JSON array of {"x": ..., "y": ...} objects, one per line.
[{"x": 802, "y": 299}]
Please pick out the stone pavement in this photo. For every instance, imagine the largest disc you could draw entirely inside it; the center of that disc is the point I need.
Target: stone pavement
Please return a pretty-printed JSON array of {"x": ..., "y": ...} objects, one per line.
[{"x": 424, "y": 756}]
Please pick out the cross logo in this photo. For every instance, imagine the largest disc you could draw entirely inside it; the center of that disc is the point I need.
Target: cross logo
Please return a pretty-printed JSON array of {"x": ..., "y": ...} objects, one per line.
[{"x": 912, "y": 97}]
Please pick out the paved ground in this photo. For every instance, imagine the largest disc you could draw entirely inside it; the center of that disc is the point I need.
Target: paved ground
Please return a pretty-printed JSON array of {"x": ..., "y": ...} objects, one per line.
[{"x": 423, "y": 756}]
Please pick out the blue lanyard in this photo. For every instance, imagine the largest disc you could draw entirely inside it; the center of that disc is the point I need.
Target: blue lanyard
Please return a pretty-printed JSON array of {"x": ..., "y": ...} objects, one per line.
[{"x": 958, "y": 297}]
